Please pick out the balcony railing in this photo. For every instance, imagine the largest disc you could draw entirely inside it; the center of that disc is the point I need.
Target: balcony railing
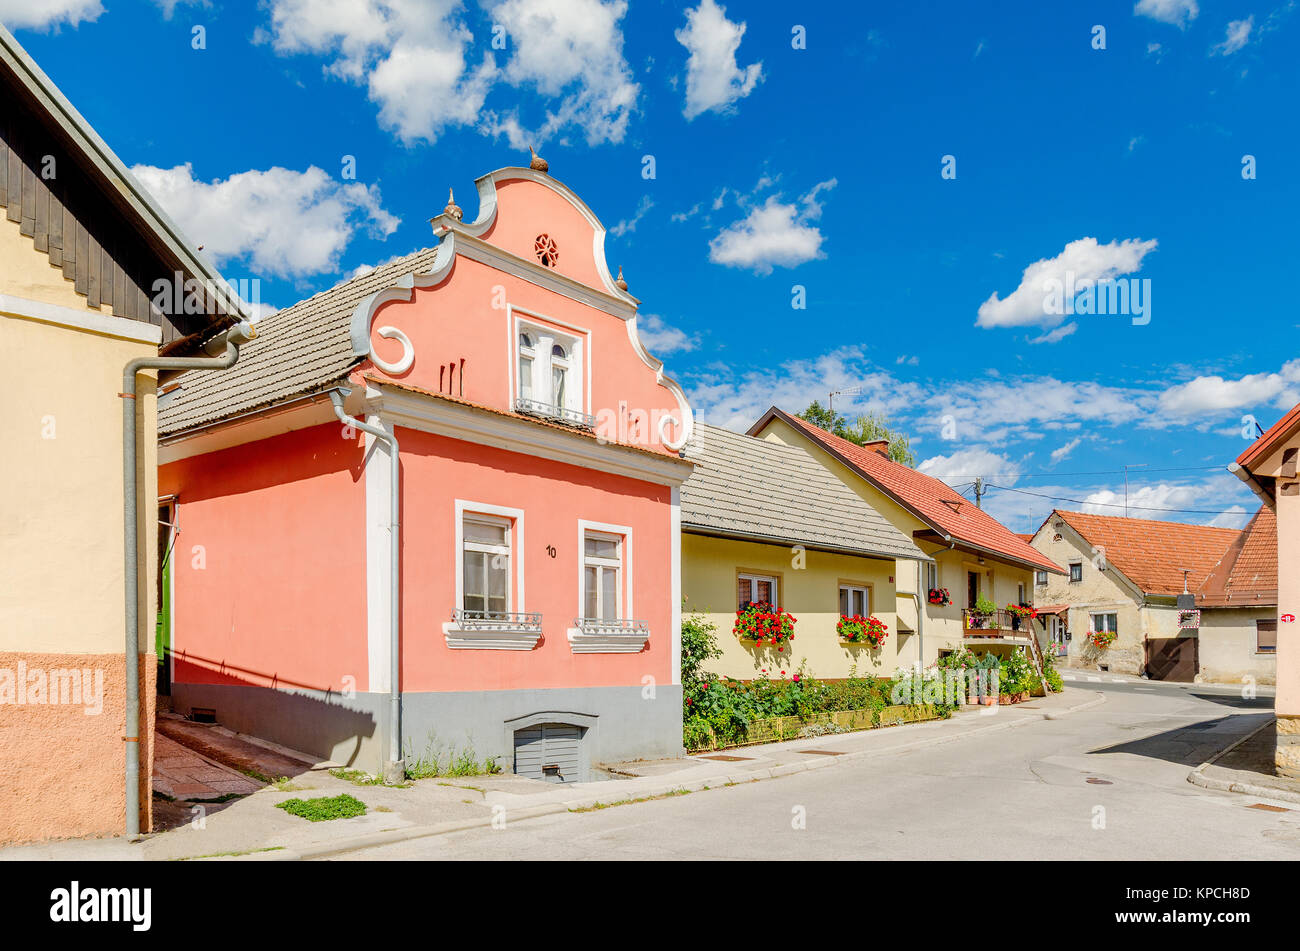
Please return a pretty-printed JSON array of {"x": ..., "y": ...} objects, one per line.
[
  {"x": 497, "y": 620},
  {"x": 994, "y": 624},
  {"x": 556, "y": 414},
  {"x": 595, "y": 625}
]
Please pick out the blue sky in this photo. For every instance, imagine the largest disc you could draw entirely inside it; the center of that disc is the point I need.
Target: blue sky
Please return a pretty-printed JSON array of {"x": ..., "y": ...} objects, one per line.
[{"x": 1116, "y": 153}]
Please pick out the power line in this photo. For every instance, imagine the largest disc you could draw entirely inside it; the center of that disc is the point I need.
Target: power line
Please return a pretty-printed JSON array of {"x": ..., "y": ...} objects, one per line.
[
  {"x": 1050, "y": 475},
  {"x": 1117, "y": 505}
]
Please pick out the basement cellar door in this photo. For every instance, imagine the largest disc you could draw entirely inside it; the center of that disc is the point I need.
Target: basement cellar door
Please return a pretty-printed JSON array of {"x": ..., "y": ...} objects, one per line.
[{"x": 551, "y": 751}]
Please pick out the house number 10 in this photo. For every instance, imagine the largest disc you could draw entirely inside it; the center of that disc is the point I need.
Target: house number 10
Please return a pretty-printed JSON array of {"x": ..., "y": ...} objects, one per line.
[{"x": 550, "y": 550}]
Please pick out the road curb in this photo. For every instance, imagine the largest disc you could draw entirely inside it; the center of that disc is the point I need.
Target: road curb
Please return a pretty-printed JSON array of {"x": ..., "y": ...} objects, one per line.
[{"x": 1197, "y": 776}]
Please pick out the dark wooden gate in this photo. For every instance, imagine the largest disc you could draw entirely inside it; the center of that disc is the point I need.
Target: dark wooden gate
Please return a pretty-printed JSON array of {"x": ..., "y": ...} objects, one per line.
[{"x": 1173, "y": 658}]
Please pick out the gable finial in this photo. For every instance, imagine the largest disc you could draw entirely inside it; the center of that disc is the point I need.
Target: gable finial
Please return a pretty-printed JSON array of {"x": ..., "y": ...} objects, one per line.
[
  {"x": 538, "y": 164},
  {"x": 453, "y": 210},
  {"x": 618, "y": 281}
]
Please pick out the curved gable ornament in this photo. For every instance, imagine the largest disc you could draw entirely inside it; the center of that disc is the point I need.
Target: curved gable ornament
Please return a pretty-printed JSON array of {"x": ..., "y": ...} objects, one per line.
[
  {"x": 408, "y": 352},
  {"x": 403, "y": 289}
]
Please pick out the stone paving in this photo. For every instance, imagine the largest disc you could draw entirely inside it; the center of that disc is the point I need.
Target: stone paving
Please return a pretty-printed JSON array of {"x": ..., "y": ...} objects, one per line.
[{"x": 183, "y": 774}]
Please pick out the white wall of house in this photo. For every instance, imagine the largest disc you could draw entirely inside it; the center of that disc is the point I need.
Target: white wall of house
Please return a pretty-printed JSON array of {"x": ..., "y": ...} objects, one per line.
[{"x": 1229, "y": 646}]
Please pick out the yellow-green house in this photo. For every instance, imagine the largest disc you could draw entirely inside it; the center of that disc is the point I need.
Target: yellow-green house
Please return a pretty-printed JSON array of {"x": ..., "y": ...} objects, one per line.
[{"x": 766, "y": 522}]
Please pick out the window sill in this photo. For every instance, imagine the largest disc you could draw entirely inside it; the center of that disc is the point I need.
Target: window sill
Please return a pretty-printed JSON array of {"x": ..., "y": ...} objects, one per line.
[
  {"x": 502, "y": 639},
  {"x": 615, "y": 637}
]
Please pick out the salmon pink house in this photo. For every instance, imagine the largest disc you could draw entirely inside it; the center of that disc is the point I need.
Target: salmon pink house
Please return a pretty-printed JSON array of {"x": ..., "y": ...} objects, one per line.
[{"x": 435, "y": 508}]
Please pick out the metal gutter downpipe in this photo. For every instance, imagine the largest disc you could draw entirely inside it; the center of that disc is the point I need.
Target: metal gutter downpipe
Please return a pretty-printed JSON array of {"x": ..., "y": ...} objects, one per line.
[
  {"x": 225, "y": 350},
  {"x": 395, "y": 768}
]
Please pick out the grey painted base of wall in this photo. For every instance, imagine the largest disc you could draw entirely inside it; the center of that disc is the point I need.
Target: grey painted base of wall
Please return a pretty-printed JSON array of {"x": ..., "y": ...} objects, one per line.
[{"x": 354, "y": 731}]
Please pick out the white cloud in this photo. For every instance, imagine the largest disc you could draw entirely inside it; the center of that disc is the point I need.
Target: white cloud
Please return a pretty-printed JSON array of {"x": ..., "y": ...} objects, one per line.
[
  {"x": 1064, "y": 451},
  {"x": 44, "y": 14},
  {"x": 411, "y": 55},
  {"x": 1235, "y": 516},
  {"x": 1176, "y": 12},
  {"x": 1215, "y": 395},
  {"x": 258, "y": 310},
  {"x": 281, "y": 222},
  {"x": 629, "y": 224},
  {"x": 1235, "y": 37},
  {"x": 713, "y": 78},
  {"x": 1057, "y": 335},
  {"x": 774, "y": 234},
  {"x": 1081, "y": 263},
  {"x": 964, "y": 465},
  {"x": 572, "y": 52},
  {"x": 661, "y": 339},
  {"x": 168, "y": 7}
]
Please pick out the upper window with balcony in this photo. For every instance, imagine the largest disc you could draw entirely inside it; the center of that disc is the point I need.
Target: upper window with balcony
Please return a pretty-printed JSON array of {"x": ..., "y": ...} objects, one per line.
[{"x": 550, "y": 375}]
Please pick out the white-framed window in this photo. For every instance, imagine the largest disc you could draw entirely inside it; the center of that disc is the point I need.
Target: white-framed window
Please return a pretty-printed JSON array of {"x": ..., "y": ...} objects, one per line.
[
  {"x": 486, "y": 549},
  {"x": 1105, "y": 622},
  {"x": 751, "y": 589},
  {"x": 602, "y": 576},
  {"x": 855, "y": 599},
  {"x": 1020, "y": 593},
  {"x": 931, "y": 575},
  {"x": 1040, "y": 578},
  {"x": 550, "y": 365},
  {"x": 1076, "y": 572},
  {"x": 527, "y": 356}
]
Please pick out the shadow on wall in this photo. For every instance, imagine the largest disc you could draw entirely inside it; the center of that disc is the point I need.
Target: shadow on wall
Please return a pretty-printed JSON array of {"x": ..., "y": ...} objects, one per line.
[{"x": 319, "y": 720}]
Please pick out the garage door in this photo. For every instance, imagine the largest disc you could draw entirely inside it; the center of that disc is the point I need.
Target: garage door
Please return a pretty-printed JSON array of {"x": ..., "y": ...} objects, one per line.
[
  {"x": 551, "y": 751},
  {"x": 1172, "y": 658}
]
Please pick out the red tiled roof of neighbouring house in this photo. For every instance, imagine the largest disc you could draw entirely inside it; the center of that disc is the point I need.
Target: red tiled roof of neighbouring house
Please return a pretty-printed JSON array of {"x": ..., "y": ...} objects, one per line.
[
  {"x": 930, "y": 500},
  {"x": 1153, "y": 554},
  {"x": 1248, "y": 573},
  {"x": 1266, "y": 443}
]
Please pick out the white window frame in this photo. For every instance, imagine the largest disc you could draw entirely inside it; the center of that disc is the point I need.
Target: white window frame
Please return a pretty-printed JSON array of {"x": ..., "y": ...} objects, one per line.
[
  {"x": 494, "y": 521},
  {"x": 1020, "y": 592},
  {"x": 487, "y": 512},
  {"x": 623, "y": 534},
  {"x": 866, "y": 596},
  {"x": 932, "y": 576},
  {"x": 1092, "y": 621},
  {"x": 1073, "y": 565},
  {"x": 546, "y": 332},
  {"x": 1040, "y": 579},
  {"x": 752, "y": 577}
]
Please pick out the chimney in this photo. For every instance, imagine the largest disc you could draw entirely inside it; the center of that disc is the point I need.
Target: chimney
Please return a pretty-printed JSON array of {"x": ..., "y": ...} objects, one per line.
[{"x": 878, "y": 445}]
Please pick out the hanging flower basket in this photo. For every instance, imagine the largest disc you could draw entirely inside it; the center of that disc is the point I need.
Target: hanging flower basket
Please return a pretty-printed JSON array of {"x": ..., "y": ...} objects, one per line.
[
  {"x": 856, "y": 629},
  {"x": 939, "y": 596},
  {"x": 1102, "y": 639},
  {"x": 763, "y": 624}
]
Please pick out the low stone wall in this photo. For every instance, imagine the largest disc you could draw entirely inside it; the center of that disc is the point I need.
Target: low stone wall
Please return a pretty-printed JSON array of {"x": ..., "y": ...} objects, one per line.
[{"x": 777, "y": 729}]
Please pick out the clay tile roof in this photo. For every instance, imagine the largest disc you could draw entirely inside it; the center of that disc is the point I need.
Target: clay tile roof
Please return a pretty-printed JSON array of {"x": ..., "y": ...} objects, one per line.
[
  {"x": 1248, "y": 573},
  {"x": 1154, "y": 554},
  {"x": 932, "y": 501},
  {"x": 1266, "y": 443}
]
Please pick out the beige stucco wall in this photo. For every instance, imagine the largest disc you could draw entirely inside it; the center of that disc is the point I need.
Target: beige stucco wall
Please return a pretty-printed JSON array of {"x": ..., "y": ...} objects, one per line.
[
  {"x": 26, "y": 272},
  {"x": 61, "y": 508},
  {"x": 943, "y": 627},
  {"x": 1227, "y": 648},
  {"x": 811, "y": 593},
  {"x": 1102, "y": 591}
]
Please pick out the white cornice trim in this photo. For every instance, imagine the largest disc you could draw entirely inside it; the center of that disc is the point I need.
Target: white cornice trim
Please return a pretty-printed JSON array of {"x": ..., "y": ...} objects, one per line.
[
  {"x": 88, "y": 320},
  {"x": 460, "y": 638},
  {"x": 581, "y": 642},
  {"x": 444, "y": 418}
]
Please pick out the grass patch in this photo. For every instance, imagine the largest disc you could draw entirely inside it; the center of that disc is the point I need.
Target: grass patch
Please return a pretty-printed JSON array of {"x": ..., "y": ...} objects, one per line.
[
  {"x": 224, "y": 797},
  {"x": 429, "y": 764},
  {"x": 595, "y": 807},
  {"x": 224, "y": 855},
  {"x": 324, "y": 808},
  {"x": 285, "y": 784},
  {"x": 259, "y": 776}
]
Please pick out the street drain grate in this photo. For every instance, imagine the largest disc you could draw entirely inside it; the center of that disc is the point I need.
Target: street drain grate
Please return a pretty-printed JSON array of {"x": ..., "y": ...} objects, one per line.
[
  {"x": 1100, "y": 782},
  {"x": 820, "y": 752},
  {"x": 1266, "y": 807},
  {"x": 728, "y": 759}
]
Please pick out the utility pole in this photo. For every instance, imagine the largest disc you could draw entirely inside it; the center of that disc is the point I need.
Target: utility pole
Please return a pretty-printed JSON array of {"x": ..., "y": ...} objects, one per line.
[{"x": 979, "y": 491}]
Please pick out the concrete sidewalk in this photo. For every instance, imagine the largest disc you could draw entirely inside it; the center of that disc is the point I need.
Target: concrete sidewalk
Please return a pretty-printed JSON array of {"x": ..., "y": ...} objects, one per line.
[
  {"x": 1247, "y": 767},
  {"x": 253, "y": 827}
]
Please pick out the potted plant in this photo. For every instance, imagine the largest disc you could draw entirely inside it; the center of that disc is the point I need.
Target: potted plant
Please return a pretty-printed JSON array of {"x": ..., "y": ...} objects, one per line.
[
  {"x": 761, "y": 623},
  {"x": 982, "y": 614},
  {"x": 1019, "y": 613},
  {"x": 1102, "y": 639},
  {"x": 939, "y": 596},
  {"x": 856, "y": 629}
]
